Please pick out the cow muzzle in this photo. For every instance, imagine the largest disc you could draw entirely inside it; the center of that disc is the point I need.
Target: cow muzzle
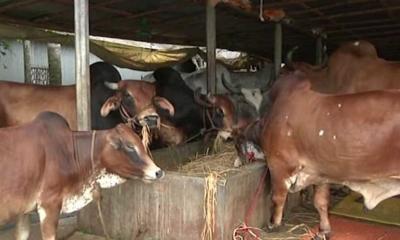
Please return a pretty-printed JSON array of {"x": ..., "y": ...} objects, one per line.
[
  {"x": 153, "y": 173},
  {"x": 151, "y": 121}
]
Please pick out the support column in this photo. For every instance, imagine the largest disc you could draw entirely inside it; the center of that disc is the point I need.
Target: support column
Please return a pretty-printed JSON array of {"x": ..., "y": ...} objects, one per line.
[
  {"x": 27, "y": 61},
  {"x": 211, "y": 46},
  {"x": 278, "y": 48},
  {"x": 318, "y": 51},
  {"x": 82, "y": 76},
  {"x": 54, "y": 59}
]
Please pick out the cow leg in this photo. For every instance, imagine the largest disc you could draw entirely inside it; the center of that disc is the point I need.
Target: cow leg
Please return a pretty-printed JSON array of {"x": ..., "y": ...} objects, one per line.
[
  {"x": 279, "y": 194},
  {"x": 49, "y": 214},
  {"x": 23, "y": 227},
  {"x": 321, "y": 202}
]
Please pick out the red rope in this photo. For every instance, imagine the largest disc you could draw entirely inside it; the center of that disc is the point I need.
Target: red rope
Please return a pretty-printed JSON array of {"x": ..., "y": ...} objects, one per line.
[{"x": 244, "y": 232}]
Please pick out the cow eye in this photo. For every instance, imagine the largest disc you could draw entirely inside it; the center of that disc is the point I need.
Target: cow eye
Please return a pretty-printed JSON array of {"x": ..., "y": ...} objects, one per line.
[
  {"x": 219, "y": 111},
  {"x": 130, "y": 147},
  {"x": 127, "y": 95}
]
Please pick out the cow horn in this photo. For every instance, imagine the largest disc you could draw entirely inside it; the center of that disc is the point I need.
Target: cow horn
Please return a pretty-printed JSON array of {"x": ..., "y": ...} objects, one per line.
[
  {"x": 229, "y": 86},
  {"x": 289, "y": 56},
  {"x": 111, "y": 85},
  {"x": 200, "y": 101}
]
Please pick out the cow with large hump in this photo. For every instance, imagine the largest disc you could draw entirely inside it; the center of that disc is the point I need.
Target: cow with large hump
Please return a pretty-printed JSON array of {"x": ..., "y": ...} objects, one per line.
[
  {"x": 57, "y": 170},
  {"x": 191, "y": 107},
  {"x": 311, "y": 138},
  {"x": 20, "y": 103},
  {"x": 353, "y": 67}
]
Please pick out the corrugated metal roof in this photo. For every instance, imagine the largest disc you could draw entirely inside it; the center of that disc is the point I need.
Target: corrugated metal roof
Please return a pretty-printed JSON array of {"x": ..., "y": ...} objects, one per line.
[{"x": 183, "y": 22}]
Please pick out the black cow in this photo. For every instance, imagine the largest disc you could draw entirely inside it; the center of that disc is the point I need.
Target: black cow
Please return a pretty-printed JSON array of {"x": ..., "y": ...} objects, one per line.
[{"x": 101, "y": 72}]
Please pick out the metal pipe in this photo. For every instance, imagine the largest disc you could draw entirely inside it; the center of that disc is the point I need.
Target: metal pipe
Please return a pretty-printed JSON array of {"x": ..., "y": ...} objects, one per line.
[
  {"x": 82, "y": 76},
  {"x": 278, "y": 48},
  {"x": 211, "y": 46}
]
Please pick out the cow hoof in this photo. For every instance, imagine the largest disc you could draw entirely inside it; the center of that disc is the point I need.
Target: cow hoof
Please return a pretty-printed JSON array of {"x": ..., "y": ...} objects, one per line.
[
  {"x": 274, "y": 227},
  {"x": 321, "y": 236}
]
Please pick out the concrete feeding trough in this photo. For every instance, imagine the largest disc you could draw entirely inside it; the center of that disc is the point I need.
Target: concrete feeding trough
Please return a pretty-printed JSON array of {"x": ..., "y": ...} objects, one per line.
[{"x": 173, "y": 208}]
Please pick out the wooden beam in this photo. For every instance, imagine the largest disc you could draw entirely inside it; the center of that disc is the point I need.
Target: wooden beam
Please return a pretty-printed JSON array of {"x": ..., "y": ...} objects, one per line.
[
  {"x": 350, "y": 14},
  {"x": 27, "y": 61},
  {"x": 82, "y": 73},
  {"x": 54, "y": 59},
  {"x": 359, "y": 22},
  {"x": 374, "y": 34},
  {"x": 376, "y": 27},
  {"x": 319, "y": 13},
  {"x": 16, "y": 4},
  {"x": 211, "y": 46},
  {"x": 138, "y": 15},
  {"x": 325, "y": 7}
]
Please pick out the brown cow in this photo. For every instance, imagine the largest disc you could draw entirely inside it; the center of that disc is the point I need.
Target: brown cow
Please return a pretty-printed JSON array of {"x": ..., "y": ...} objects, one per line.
[
  {"x": 20, "y": 103},
  {"x": 353, "y": 67},
  {"x": 311, "y": 138},
  {"x": 54, "y": 165}
]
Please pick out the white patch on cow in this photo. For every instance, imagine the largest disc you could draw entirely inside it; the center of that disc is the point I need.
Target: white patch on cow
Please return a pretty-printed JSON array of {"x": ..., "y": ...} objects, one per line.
[
  {"x": 289, "y": 133},
  {"x": 250, "y": 147},
  {"x": 290, "y": 181},
  {"x": 334, "y": 137},
  {"x": 237, "y": 162},
  {"x": 321, "y": 132},
  {"x": 42, "y": 214},
  {"x": 339, "y": 105},
  {"x": 298, "y": 181},
  {"x": 224, "y": 134},
  {"x": 328, "y": 114},
  {"x": 286, "y": 117},
  {"x": 356, "y": 43},
  {"x": 109, "y": 180},
  {"x": 76, "y": 202},
  {"x": 254, "y": 96},
  {"x": 375, "y": 191}
]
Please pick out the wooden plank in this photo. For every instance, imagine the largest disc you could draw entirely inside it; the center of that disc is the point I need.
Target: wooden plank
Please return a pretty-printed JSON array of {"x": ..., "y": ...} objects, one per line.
[{"x": 82, "y": 64}]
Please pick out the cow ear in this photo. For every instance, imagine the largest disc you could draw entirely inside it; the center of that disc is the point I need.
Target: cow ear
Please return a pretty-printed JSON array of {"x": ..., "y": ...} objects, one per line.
[
  {"x": 163, "y": 103},
  {"x": 111, "y": 104}
]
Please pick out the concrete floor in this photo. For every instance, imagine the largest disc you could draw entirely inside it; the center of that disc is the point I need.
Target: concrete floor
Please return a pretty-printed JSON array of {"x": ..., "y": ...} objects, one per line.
[{"x": 66, "y": 228}]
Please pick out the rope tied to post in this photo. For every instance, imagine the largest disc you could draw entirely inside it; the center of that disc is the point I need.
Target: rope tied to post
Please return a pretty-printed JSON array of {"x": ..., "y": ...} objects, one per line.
[{"x": 97, "y": 189}]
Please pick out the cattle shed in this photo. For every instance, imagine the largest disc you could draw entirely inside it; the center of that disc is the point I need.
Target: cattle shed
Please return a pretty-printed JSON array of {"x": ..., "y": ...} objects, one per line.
[{"x": 174, "y": 207}]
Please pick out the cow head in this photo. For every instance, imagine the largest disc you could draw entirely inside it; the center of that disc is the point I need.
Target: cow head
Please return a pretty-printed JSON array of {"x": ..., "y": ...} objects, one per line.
[
  {"x": 224, "y": 117},
  {"x": 247, "y": 143},
  {"x": 136, "y": 100},
  {"x": 124, "y": 154},
  {"x": 252, "y": 95}
]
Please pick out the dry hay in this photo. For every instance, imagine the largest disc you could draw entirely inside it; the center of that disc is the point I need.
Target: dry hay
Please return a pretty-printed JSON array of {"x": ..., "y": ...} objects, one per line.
[
  {"x": 220, "y": 163},
  {"x": 297, "y": 227}
]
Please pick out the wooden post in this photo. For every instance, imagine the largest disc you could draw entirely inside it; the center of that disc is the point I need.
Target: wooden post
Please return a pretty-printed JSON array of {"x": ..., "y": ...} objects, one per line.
[
  {"x": 54, "y": 58},
  {"x": 211, "y": 45},
  {"x": 278, "y": 48},
  {"x": 82, "y": 76},
  {"x": 318, "y": 51},
  {"x": 28, "y": 61}
]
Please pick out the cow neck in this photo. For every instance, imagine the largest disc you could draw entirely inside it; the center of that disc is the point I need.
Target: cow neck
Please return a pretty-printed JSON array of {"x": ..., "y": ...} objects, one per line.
[{"x": 85, "y": 144}]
